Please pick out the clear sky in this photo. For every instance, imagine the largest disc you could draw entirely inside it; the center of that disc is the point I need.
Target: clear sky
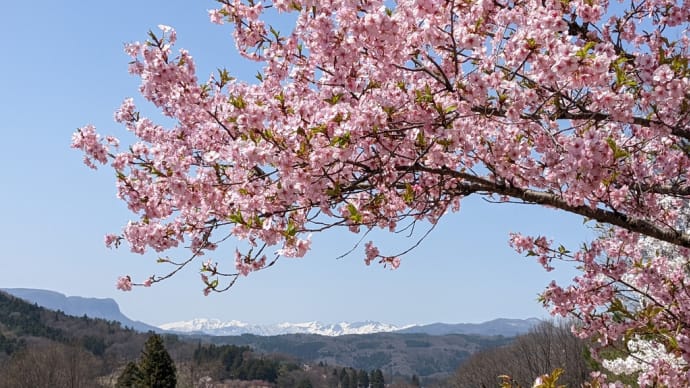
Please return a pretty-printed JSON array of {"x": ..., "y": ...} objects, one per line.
[{"x": 63, "y": 67}]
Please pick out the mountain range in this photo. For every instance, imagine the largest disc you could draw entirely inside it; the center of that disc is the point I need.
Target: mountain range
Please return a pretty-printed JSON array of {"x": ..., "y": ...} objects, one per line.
[
  {"x": 216, "y": 327},
  {"x": 108, "y": 309}
]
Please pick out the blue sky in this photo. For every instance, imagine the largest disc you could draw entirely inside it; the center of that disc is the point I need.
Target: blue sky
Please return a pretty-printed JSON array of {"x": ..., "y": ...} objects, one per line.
[{"x": 63, "y": 67}]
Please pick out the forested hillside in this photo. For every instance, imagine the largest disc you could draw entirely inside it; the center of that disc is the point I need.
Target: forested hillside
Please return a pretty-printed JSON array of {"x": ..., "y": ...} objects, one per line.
[
  {"x": 40, "y": 346},
  {"x": 45, "y": 348},
  {"x": 396, "y": 354}
]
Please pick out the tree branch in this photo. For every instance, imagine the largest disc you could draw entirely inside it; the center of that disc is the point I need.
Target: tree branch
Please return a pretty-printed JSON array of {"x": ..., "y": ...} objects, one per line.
[{"x": 471, "y": 184}]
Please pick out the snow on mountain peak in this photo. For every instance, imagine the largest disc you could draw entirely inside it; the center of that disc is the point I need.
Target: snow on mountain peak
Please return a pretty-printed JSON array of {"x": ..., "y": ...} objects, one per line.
[{"x": 218, "y": 327}]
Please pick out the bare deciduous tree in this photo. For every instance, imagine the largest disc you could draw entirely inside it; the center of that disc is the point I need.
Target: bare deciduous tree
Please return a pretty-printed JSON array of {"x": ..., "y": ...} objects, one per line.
[
  {"x": 50, "y": 365},
  {"x": 546, "y": 347}
]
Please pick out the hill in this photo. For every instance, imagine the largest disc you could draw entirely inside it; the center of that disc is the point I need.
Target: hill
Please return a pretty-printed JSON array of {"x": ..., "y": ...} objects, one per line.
[
  {"x": 46, "y": 348},
  {"x": 103, "y": 308},
  {"x": 424, "y": 355},
  {"x": 501, "y": 326}
]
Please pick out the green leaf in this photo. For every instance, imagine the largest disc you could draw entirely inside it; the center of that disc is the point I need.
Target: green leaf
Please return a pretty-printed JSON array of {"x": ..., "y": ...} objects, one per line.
[
  {"x": 550, "y": 380},
  {"x": 334, "y": 192},
  {"x": 275, "y": 32},
  {"x": 338, "y": 118},
  {"x": 617, "y": 151},
  {"x": 374, "y": 85},
  {"x": 355, "y": 216},
  {"x": 341, "y": 141},
  {"x": 679, "y": 64},
  {"x": 236, "y": 218},
  {"x": 583, "y": 52},
  {"x": 408, "y": 194},
  {"x": 291, "y": 230},
  {"x": 424, "y": 96},
  {"x": 224, "y": 76},
  {"x": 238, "y": 102},
  {"x": 334, "y": 99},
  {"x": 421, "y": 140}
]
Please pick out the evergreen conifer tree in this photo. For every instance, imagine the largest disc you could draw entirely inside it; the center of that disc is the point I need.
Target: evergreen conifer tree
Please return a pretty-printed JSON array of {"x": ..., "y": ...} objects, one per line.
[
  {"x": 363, "y": 378},
  {"x": 376, "y": 379},
  {"x": 130, "y": 376},
  {"x": 157, "y": 369},
  {"x": 344, "y": 379}
]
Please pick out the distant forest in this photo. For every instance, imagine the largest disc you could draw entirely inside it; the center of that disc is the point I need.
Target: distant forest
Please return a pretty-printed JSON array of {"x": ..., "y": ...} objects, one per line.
[{"x": 41, "y": 348}]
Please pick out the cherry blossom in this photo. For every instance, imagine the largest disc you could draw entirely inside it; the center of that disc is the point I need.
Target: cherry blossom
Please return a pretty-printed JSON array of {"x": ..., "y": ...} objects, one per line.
[
  {"x": 384, "y": 115},
  {"x": 124, "y": 283}
]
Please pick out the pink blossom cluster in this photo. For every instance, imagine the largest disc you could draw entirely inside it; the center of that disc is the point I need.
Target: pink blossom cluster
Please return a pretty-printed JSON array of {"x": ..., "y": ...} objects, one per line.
[
  {"x": 372, "y": 253},
  {"x": 246, "y": 264},
  {"x": 124, "y": 283},
  {"x": 372, "y": 114},
  {"x": 89, "y": 141},
  {"x": 531, "y": 246},
  {"x": 632, "y": 296}
]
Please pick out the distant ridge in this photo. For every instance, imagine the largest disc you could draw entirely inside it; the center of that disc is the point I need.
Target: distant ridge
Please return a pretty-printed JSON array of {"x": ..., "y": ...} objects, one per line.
[
  {"x": 502, "y": 326},
  {"x": 104, "y": 308}
]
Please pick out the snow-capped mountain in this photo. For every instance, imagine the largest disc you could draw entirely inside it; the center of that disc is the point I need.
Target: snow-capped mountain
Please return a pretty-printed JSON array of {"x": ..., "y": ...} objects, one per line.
[
  {"x": 500, "y": 326},
  {"x": 218, "y": 327}
]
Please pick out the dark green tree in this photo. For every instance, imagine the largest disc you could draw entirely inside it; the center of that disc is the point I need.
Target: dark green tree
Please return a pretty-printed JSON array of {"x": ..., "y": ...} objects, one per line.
[
  {"x": 155, "y": 365},
  {"x": 376, "y": 379},
  {"x": 344, "y": 379},
  {"x": 130, "y": 376},
  {"x": 305, "y": 383},
  {"x": 363, "y": 378},
  {"x": 353, "y": 378}
]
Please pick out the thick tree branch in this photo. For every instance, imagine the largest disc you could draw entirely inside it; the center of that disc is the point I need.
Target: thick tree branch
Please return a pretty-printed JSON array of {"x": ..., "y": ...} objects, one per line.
[{"x": 472, "y": 183}]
